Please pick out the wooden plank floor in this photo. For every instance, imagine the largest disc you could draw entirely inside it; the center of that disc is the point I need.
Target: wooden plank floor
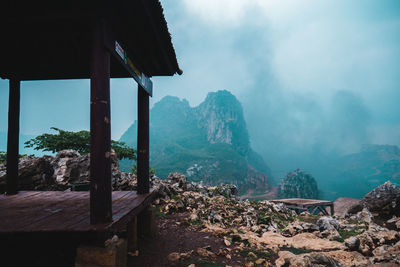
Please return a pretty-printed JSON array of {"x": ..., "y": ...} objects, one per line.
[{"x": 57, "y": 211}]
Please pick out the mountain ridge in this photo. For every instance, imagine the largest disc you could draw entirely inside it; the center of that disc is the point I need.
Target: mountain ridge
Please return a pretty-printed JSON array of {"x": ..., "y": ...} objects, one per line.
[{"x": 209, "y": 142}]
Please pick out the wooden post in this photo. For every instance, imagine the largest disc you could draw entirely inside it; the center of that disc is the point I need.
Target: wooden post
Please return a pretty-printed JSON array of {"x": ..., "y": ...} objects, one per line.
[
  {"x": 146, "y": 222},
  {"x": 100, "y": 131},
  {"x": 143, "y": 182},
  {"x": 13, "y": 138},
  {"x": 132, "y": 236}
]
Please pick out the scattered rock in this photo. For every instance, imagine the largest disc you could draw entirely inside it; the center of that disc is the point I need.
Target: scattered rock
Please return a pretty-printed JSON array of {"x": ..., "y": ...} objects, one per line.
[
  {"x": 260, "y": 261},
  {"x": 174, "y": 256},
  {"x": 352, "y": 243},
  {"x": 395, "y": 222},
  {"x": 348, "y": 258},
  {"x": 383, "y": 200},
  {"x": 302, "y": 241},
  {"x": 307, "y": 260},
  {"x": 327, "y": 223},
  {"x": 363, "y": 215},
  {"x": 257, "y": 225}
]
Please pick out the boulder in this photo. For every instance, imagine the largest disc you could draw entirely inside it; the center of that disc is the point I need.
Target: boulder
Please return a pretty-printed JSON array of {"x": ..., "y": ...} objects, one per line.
[
  {"x": 287, "y": 258},
  {"x": 303, "y": 241},
  {"x": 59, "y": 172},
  {"x": 70, "y": 167},
  {"x": 327, "y": 223},
  {"x": 34, "y": 174},
  {"x": 387, "y": 253},
  {"x": 384, "y": 201},
  {"x": 363, "y": 215},
  {"x": 346, "y": 205},
  {"x": 349, "y": 258},
  {"x": 352, "y": 243},
  {"x": 328, "y": 227}
]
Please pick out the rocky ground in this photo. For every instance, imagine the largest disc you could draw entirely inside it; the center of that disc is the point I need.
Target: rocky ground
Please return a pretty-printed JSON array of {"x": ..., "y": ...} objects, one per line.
[
  {"x": 210, "y": 226},
  {"x": 260, "y": 233}
]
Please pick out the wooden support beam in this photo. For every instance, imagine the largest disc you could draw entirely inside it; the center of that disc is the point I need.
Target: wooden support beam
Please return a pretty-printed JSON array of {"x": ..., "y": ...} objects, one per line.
[
  {"x": 146, "y": 222},
  {"x": 132, "y": 235},
  {"x": 100, "y": 130},
  {"x": 314, "y": 208},
  {"x": 332, "y": 210},
  {"x": 143, "y": 181},
  {"x": 322, "y": 209},
  {"x": 13, "y": 138}
]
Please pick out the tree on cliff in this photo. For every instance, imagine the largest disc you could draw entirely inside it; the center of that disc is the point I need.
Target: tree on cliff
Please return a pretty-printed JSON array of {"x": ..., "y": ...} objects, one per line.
[{"x": 79, "y": 141}]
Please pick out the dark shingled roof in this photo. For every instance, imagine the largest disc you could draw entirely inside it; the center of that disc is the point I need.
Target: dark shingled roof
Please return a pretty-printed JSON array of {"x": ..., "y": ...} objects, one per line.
[{"x": 43, "y": 40}]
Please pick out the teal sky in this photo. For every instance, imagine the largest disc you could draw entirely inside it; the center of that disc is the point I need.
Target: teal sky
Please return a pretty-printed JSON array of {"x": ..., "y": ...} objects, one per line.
[{"x": 307, "y": 73}]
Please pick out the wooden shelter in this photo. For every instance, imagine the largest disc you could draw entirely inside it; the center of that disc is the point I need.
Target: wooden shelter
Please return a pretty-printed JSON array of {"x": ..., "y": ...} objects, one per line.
[{"x": 47, "y": 40}]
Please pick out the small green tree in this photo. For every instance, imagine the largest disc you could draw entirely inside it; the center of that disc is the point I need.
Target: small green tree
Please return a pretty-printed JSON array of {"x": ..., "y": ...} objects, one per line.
[
  {"x": 152, "y": 171},
  {"x": 3, "y": 157},
  {"x": 79, "y": 141}
]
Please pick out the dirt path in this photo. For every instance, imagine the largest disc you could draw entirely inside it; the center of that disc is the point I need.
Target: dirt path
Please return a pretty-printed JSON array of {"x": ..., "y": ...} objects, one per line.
[{"x": 175, "y": 235}]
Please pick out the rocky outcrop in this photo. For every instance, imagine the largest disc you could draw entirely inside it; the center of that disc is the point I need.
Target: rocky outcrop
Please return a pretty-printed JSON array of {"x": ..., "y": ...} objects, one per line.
[
  {"x": 289, "y": 259},
  {"x": 221, "y": 116},
  {"x": 59, "y": 172},
  {"x": 34, "y": 174},
  {"x": 347, "y": 205},
  {"x": 304, "y": 240},
  {"x": 70, "y": 167},
  {"x": 208, "y": 143},
  {"x": 298, "y": 184},
  {"x": 383, "y": 201}
]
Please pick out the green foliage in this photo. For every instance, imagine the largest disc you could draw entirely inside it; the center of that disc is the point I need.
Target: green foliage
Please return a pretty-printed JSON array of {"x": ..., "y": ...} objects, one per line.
[
  {"x": 79, "y": 141},
  {"x": 346, "y": 234},
  {"x": 264, "y": 220},
  {"x": 297, "y": 251},
  {"x": 123, "y": 151},
  {"x": 151, "y": 171},
  {"x": 260, "y": 254},
  {"x": 197, "y": 222},
  {"x": 160, "y": 214},
  {"x": 3, "y": 157}
]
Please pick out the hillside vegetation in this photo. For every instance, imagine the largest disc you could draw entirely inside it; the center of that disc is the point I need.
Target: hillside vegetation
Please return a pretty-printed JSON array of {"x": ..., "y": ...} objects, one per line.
[{"x": 208, "y": 143}]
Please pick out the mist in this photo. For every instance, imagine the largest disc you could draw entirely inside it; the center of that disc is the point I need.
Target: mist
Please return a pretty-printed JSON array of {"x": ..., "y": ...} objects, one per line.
[{"x": 317, "y": 79}]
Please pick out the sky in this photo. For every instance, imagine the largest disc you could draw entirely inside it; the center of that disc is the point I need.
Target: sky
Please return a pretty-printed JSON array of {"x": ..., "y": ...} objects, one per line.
[{"x": 311, "y": 75}]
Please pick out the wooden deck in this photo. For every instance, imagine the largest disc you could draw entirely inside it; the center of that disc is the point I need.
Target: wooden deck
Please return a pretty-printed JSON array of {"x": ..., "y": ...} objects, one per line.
[
  {"x": 57, "y": 211},
  {"x": 311, "y": 205}
]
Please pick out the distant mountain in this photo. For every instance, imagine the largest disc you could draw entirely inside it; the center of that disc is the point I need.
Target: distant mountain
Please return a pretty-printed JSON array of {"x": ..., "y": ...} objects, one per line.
[
  {"x": 373, "y": 166},
  {"x": 356, "y": 174},
  {"x": 208, "y": 143}
]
